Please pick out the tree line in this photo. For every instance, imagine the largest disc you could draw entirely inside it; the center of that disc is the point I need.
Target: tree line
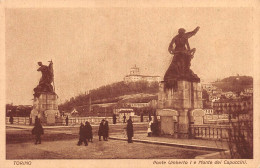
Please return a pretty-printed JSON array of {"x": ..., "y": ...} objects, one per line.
[
  {"x": 110, "y": 93},
  {"x": 235, "y": 84},
  {"x": 17, "y": 111}
]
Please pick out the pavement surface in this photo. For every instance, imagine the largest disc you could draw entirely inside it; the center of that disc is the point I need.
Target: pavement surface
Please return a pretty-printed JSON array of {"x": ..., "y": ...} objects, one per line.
[
  {"x": 59, "y": 142},
  {"x": 111, "y": 149},
  {"x": 210, "y": 145}
]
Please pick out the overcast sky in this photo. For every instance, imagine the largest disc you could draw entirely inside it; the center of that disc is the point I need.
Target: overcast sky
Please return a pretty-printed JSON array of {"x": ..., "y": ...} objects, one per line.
[{"x": 95, "y": 47}]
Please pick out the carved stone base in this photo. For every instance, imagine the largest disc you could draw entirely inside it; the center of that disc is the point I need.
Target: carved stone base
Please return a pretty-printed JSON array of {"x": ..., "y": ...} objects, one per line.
[
  {"x": 187, "y": 95},
  {"x": 46, "y": 108},
  {"x": 175, "y": 105}
]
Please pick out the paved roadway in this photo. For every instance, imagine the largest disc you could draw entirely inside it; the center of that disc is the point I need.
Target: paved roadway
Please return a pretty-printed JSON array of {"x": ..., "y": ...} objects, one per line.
[
  {"x": 18, "y": 134},
  {"x": 112, "y": 149},
  {"x": 60, "y": 143}
]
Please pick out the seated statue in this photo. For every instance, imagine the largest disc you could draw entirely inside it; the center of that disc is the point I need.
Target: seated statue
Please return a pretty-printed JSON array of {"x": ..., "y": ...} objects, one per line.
[{"x": 180, "y": 65}]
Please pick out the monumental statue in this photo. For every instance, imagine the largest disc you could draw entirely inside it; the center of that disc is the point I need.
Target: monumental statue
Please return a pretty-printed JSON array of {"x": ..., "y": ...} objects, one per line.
[
  {"x": 179, "y": 68},
  {"x": 45, "y": 83},
  {"x": 45, "y": 106},
  {"x": 180, "y": 93}
]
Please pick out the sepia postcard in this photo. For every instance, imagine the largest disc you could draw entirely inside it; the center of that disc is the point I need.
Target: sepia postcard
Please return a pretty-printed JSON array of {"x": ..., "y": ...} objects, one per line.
[{"x": 130, "y": 83}]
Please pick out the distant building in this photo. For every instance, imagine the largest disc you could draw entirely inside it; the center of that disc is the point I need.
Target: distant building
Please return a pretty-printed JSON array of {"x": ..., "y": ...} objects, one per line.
[
  {"x": 214, "y": 97},
  {"x": 117, "y": 111},
  {"x": 74, "y": 112},
  {"x": 207, "y": 86},
  {"x": 121, "y": 112},
  {"x": 208, "y": 111},
  {"x": 249, "y": 90},
  {"x": 213, "y": 92},
  {"x": 233, "y": 106},
  {"x": 138, "y": 105},
  {"x": 229, "y": 94},
  {"x": 135, "y": 76},
  {"x": 217, "y": 91}
]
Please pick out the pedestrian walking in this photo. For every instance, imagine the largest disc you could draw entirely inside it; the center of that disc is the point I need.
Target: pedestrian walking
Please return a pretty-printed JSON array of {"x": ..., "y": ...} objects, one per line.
[
  {"x": 101, "y": 130},
  {"x": 142, "y": 117},
  {"x": 36, "y": 119},
  {"x": 130, "y": 130},
  {"x": 67, "y": 121},
  {"x": 11, "y": 119},
  {"x": 124, "y": 118},
  {"x": 37, "y": 131},
  {"x": 106, "y": 130},
  {"x": 150, "y": 117},
  {"x": 114, "y": 119},
  {"x": 82, "y": 135},
  {"x": 30, "y": 120},
  {"x": 89, "y": 135},
  {"x": 149, "y": 130}
]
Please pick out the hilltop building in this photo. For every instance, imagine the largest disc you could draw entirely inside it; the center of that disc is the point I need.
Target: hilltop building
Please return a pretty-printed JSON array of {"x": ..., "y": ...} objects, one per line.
[{"x": 135, "y": 76}]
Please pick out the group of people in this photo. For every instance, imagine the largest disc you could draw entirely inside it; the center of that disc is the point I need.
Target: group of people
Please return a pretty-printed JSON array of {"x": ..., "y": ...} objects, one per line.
[
  {"x": 103, "y": 130},
  {"x": 85, "y": 134}
]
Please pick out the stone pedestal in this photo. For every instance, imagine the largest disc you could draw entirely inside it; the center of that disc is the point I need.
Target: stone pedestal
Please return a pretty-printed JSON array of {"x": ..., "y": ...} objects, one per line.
[
  {"x": 46, "y": 108},
  {"x": 197, "y": 116},
  {"x": 182, "y": 98},
  {"x": 169, "y": 121},
  {"x": 187, "y": 95}
]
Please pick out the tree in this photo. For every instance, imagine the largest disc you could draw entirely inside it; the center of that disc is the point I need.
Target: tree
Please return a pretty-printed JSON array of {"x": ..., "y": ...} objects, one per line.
[{"x": 110, "y": 93}]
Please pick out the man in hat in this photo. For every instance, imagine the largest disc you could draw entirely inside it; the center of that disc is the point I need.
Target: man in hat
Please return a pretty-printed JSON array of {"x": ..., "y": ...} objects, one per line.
[
  {"x": 101, "y": 130},
  {"x": 37, "y": 131},
  {"x": 88, "y": 129},
  {"x": 106, "y": 130},
  {"x": 124, "y": 117},
  {"x": 130, "y": 130},
  {"x": 82, "y": 135},
  {"x": 114, "y": 119}
]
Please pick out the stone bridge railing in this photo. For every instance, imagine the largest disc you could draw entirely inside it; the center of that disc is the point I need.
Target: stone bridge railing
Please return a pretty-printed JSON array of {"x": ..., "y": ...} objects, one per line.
[
  {"x": 75, "y": 120},
  {"x": 217, "y": 132}
]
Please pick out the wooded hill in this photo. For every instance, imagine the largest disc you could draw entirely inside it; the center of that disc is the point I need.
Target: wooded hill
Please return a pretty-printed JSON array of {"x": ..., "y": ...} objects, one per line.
[
  {"x": 110, "y": 94},
  {"x": 119, "y": 91},
  {"x": 234, "y": 83}
]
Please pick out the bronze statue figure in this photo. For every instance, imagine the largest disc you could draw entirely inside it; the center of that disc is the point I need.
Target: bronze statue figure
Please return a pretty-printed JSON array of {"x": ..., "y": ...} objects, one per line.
[
  {"x": 45, "y": 83},
  {"x": 180, "y": 65}
]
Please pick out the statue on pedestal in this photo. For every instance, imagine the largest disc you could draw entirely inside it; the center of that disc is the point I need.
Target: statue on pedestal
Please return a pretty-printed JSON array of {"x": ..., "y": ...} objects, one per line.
[
  {"x": 45, "y": 83},
  {"x": 45, "y": 105},
  {"x": 180, "y": 65}
]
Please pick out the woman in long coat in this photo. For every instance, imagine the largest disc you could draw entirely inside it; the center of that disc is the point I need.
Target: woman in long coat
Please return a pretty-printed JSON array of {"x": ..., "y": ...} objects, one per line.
[
  {"x": 130, "y": 130},
  {"x": 106, "y": 130},
  {"x": 37, "y": 131},
  {"x": 82, "y": 135},
  {"x": 101, "y": 130},
  {"x": 89, "y": 134}
]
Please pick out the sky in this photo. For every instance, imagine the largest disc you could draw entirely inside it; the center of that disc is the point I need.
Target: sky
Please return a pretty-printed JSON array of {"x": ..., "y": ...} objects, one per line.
[{"x": 91, "y": 47}]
